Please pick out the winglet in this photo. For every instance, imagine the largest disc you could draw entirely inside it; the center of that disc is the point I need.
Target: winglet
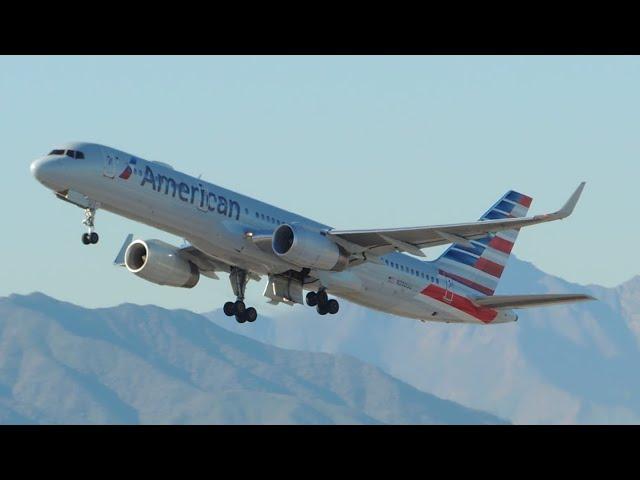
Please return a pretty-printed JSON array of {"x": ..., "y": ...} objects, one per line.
[
  {"x": 567, "y": 208},
  {"x": 119, "y": 261}
]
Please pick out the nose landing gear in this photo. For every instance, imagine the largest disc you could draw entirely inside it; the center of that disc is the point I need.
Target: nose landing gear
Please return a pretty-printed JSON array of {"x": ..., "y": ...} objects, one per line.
[
  {"x": 322, "y": 302},
  {"x": 239, "y": 279},
  {"x": 89, "y": 219}
]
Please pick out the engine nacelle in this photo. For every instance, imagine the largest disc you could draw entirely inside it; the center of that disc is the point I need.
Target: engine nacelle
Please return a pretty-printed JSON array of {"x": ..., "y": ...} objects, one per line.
[
  {"x": 307, "y": 248},
  {"x": 158, "y": 262}
]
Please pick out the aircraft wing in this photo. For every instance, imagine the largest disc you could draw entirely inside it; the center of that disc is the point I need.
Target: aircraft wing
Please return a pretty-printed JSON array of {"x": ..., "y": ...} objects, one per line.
[
  {"x": 412, "y": 240},
  {"x": 525, "y": 301},
  {"x": 205, "y": 264}
]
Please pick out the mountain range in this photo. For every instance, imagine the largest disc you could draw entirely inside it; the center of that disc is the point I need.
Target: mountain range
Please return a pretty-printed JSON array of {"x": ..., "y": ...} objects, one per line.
[
  {"x": 575, "y": 363},
  {"x": 64, "y": 364}
]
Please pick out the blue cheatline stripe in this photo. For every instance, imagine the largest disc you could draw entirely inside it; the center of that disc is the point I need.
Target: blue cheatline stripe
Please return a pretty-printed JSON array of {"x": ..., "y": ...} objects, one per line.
[
  {"x": 483, "y": 240},
  {"x": 513, "y": 196},
  {"x": 460, "y": 257},
  {"x": 475, "y": 249},
  {"x": 505, "y": 206},
  {"x": 492, "y": 215}
]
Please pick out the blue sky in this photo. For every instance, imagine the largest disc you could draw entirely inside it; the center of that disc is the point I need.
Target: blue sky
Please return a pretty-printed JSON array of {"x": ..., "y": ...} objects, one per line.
[{"x": 355, "y": 142}]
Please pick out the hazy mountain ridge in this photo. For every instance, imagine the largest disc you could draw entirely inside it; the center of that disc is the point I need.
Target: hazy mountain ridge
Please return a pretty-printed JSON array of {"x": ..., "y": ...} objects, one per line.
[
  {"x": 564, "y": 364},
  {"x": 60, "y": 363}
]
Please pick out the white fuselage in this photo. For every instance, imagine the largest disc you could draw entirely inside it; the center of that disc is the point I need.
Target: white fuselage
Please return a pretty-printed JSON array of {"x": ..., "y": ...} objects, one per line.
[{"x": 215, "y": 221}]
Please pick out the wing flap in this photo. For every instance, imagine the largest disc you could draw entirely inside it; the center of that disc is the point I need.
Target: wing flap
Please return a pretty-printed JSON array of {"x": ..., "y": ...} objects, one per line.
[{"x": 525, "y": 301}]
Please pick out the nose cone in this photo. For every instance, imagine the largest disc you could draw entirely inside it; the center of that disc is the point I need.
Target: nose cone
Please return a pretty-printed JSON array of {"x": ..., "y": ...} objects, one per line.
[
  {"x": 36, "y": 168},
  {"x": 44, "y": 169}
]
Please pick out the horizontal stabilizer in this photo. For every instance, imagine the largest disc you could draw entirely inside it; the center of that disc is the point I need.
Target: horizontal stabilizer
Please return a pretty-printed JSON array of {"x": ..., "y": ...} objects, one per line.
[{"x": 525, "y": 301}]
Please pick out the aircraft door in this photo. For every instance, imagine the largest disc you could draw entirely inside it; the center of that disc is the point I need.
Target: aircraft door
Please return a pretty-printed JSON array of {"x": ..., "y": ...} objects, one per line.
[{"x": 448, "y": 293}]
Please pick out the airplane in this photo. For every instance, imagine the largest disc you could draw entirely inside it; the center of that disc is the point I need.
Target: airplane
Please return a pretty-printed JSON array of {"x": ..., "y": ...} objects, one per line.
[{"x": 227, "y": 232}]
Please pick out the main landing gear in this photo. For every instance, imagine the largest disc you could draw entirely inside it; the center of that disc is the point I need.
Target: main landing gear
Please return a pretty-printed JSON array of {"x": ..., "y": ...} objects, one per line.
[
  {"x": 322, "y": 302},
  {"x": 239, "y": 279},
  {"x": 89, "y": 218}
]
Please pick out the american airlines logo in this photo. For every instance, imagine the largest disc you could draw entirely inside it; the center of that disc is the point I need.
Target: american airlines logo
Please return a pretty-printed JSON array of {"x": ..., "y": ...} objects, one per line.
[{"x": 193, "y": 194}]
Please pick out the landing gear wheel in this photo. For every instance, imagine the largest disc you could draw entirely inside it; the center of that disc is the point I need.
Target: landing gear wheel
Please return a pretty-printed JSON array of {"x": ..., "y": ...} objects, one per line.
[
  {"x": 322, "y": 297},
  {"x": 239, "y": 308},
  {"x": 312, "y": 299},
  {"x": 86, "y": 239},
  {"x": 251, "y": 314},
  {"x": 239, "y": 278},
  {"x": 322, "y": 309},
  {"x": 93, "y": 236},
  {"x": 333, "y": 306},
  {"x": 229, "y": 309}
]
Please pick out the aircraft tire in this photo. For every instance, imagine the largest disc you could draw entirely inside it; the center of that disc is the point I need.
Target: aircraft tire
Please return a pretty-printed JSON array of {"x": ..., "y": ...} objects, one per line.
[
  {"x": 239, "y": 307},
  {"x": 312, "y": 299},
  {"x": 229, "y": 309},
  {"x": 251, "y": 314},
  {"x": 333, "y": 306},
  {"x": 322, "y": 297},
  {"x": 94, "y": 237},
  {"x": 86, "y": 239},
  {"x": 241, "y": 317}
]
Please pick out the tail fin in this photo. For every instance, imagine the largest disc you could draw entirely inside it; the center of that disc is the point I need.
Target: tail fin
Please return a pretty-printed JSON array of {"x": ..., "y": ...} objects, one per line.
[{"x": 479, "y": 265}]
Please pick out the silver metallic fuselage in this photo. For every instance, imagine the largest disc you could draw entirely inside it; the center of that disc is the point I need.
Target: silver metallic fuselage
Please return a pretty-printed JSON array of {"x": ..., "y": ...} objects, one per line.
[{"x": 215, "y": 220}]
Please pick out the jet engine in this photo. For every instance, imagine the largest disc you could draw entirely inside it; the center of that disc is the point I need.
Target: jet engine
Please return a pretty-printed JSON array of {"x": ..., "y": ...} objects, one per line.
[
  {"x": 158, "y": 262},
  {"x": 306, "y": 248}
]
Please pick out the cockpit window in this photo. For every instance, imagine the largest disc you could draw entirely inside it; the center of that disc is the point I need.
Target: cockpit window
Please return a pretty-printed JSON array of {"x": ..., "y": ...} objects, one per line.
[
  {"x": 56, "y": 152},
  {"x": 74, "y": 153}
]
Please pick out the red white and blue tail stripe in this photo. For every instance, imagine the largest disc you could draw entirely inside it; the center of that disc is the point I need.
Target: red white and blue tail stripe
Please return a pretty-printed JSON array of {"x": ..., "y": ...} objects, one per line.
[{"x": 480, "y": 265}]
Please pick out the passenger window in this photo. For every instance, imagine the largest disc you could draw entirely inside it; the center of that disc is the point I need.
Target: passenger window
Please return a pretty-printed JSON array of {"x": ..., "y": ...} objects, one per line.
[{"x": 257, "y": 215}]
